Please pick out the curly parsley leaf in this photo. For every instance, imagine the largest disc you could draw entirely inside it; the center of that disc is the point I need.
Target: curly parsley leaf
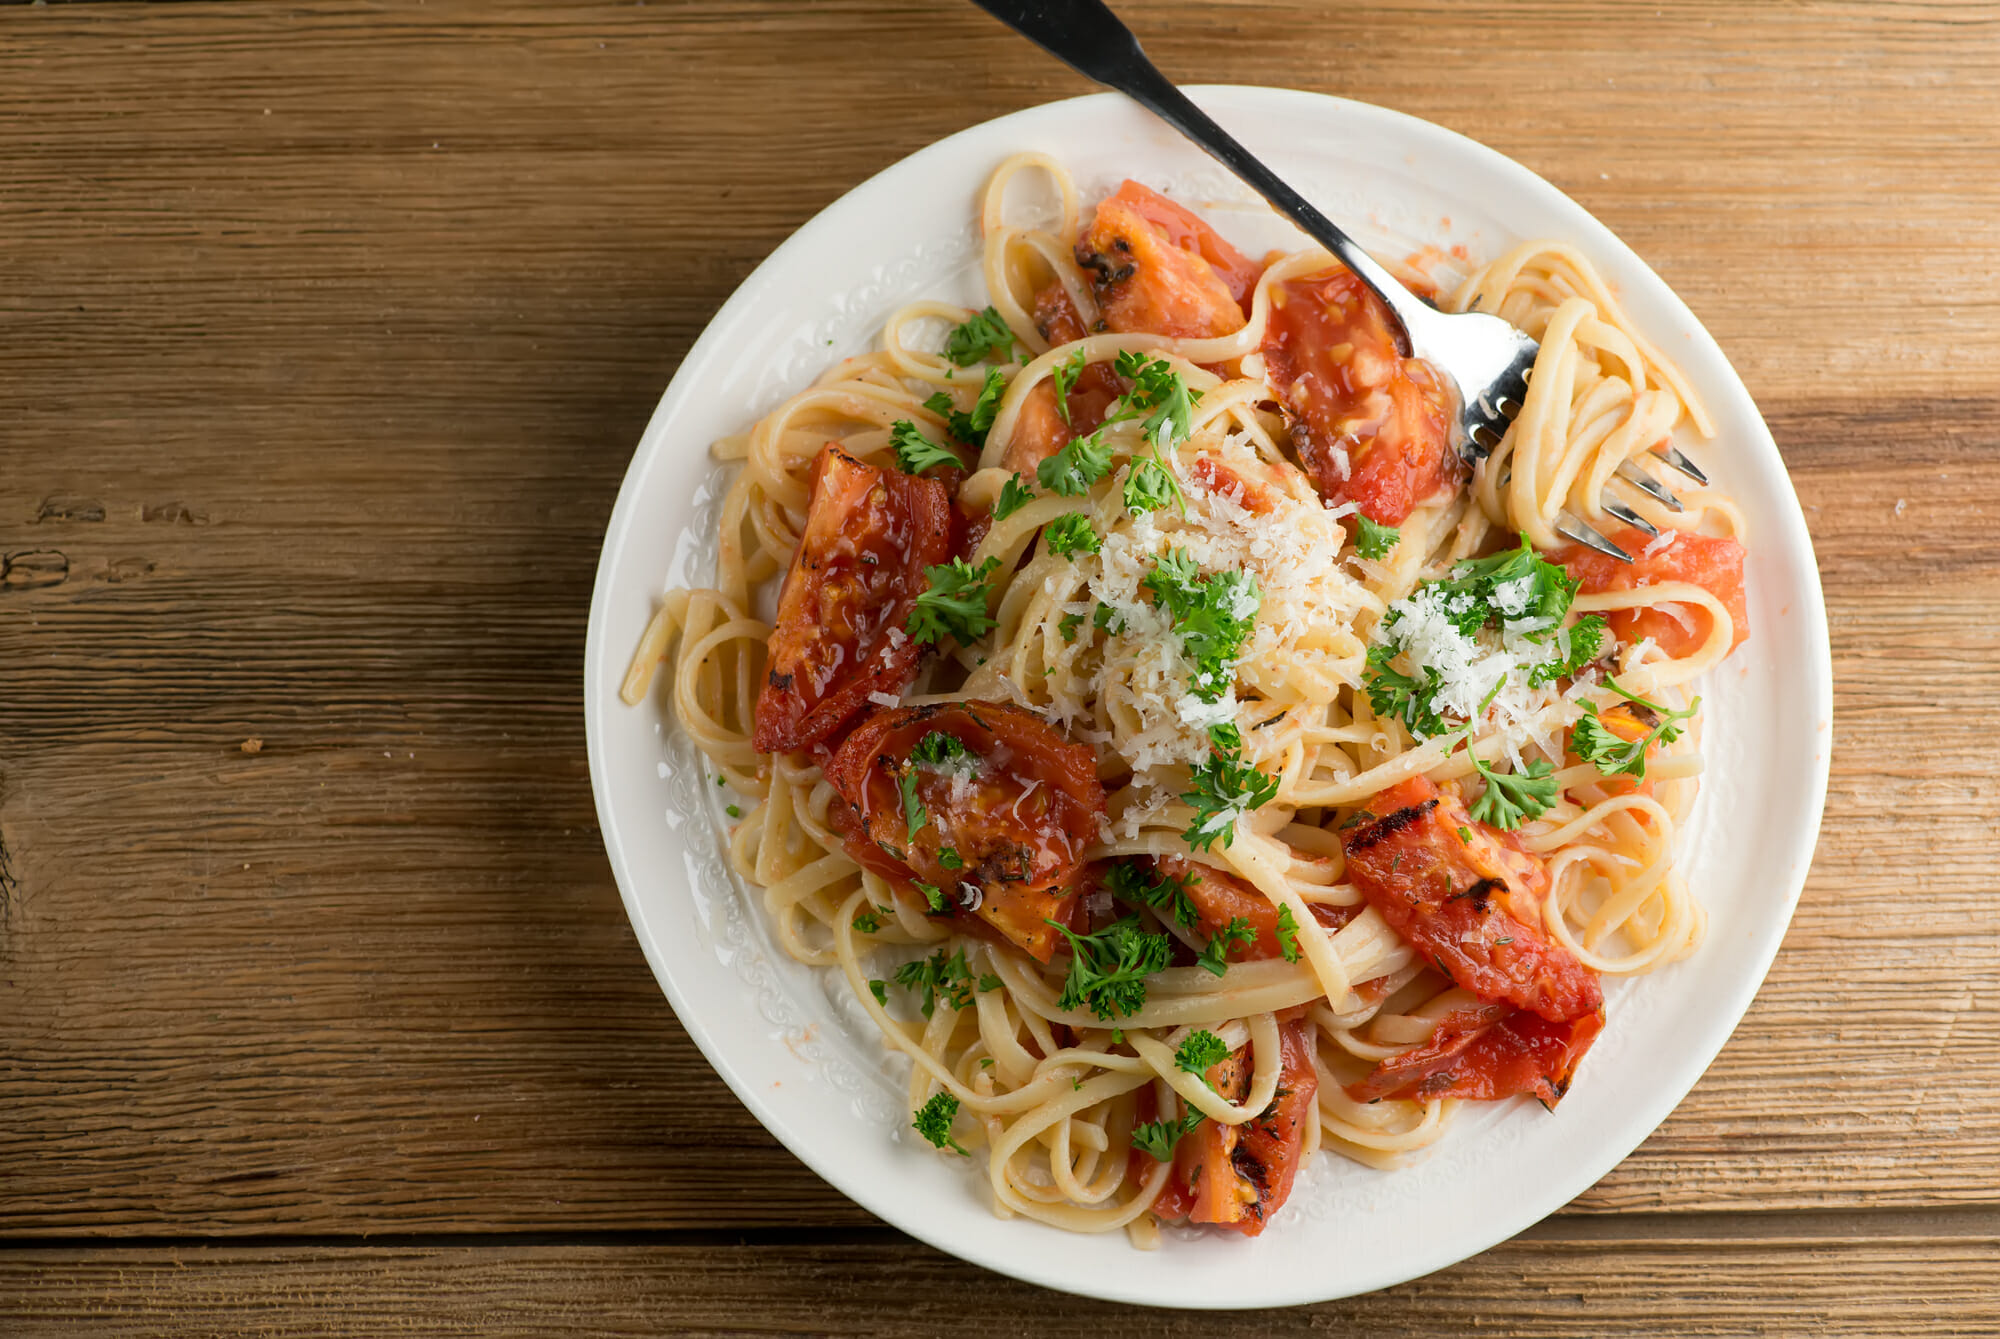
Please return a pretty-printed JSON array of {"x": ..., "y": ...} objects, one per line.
[
  {"x": 954, "y": 605},
  {"x": 1215, "y": 957},
  {"x": 1374, "y": 541},
  {"x": 934, "y": 1120},
  {"x": 1214, "y": 616},
  {"x": 915, "y": 815},
  {"x": 1398, "y": 696},
  {"x": 880, "y": 990},
  {"x": 979, "y": 336},
  {"x": 938, "y": 749},
  {"x": 1156, "y": 1138},
  {"x": 1163, "y": 892},
  {"x": 916, "y": 452},
  {"x": 971, "y": 428},
  {"x": 1512, "y": 798},
  {"x": 939, "y": 978},
  {"x": 1199, "y": 1052},
  {"x": 1577, "y": 645},
  {"x": 869, "y": 921},
  {"x": 1072, "y": 470},
  {"x": 1159, "y": 392},
  {"x": 1611, "y": 754},
  {"x": 1071, "y": 534},
  {"x": 1068, "y": 625},
  {"x": 1108, "y": 969},
  {"x": 1225, "y": 788},
  {"x": 1064, "y": 376},
  {"x": 1288, "y": 934},
  {"x": 1014, "y": 495},
  {"x": 933, "y": 895},
  {"x": 1151, "y": 486},
  {"x": 1107, "y": 619}
]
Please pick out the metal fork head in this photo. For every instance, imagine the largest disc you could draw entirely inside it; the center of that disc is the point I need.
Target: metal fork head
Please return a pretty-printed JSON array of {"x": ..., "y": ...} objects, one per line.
[{"x": 1487, "y": 360}]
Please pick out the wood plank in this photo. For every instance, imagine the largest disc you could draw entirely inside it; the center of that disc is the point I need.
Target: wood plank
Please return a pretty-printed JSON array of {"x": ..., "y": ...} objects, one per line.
[
  {"x": 1685, "y": 1283},
  {"x": 313, "y": 420}
]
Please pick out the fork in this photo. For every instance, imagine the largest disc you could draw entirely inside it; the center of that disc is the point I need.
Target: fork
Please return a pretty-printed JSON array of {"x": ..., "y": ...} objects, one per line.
[{"x": 1486, "y": 359}]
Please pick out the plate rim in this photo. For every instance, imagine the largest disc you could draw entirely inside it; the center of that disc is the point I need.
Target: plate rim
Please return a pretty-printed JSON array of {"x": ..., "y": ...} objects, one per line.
[{"x": 1559, "y": 1188}]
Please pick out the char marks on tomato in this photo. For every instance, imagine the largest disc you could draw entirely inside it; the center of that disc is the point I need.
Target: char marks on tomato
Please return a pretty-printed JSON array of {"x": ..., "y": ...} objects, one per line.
[
  {"x": 1156, "y": 268},
  {"x": 869, "y": 535},
  {"x": 1370, "y": 426},
  {"x": 1238, "y": 1176},
  {"x": 1469, "y": 898},
  {"x": 1005, "y": 819},
  {"x": 1483, "y": 1052},
  {"x": 1715, "y": 564}
]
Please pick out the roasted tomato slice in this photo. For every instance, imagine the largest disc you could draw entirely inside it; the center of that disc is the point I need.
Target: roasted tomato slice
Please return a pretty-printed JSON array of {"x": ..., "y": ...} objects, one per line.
[
  {"x": 1220, "y": 897},
  {"x": 1481, "y": 1057},
  {"x": 1469, "y": 898},
  {"x": 1040, "y": 430},
  {"x": 1714, "y": 564},
  {"x": 1238, "y": 1176},
  {"x": 869, "y": 536},
  {"x": 1160, "y": 270},
  {"x": 1370, "y": 426},
  {"x": 981, "y": 800}
]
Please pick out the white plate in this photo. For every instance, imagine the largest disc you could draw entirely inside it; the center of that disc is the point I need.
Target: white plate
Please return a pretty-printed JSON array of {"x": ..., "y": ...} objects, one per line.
[{"x": 789, "y": 1041}]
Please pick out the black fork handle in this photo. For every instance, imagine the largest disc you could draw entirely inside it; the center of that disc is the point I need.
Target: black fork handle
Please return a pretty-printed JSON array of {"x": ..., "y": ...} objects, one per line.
[{"x": 1090, "y": 39}]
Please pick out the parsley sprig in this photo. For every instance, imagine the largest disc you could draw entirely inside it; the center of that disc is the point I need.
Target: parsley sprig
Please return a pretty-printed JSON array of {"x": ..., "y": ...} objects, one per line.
[
  {"x": 1374, "y": 541},
  {"x": 1163, "y": 892},
  {"x": 1064, "y": 376},
  {"x": 1288, "y": 934},
  {"x": 971, "y": 428},
  {"x": 1214, "y": 616},
  {"x": 1070, "y": 535},
  {"x": 934, "y": 1118},
  {"x": 1108, "y": 969},
  {"x": 916, "y": 452},
  {"x": 1612, "y": 755},
  {"x": 1014, "y": 495},
  {"x": 1512, "y": 798},
  {"x": 1214, "y": 958},
  {"x": 1200, "y": 1051},
  {"x": 1156, "y": 1138},
  {"x": 1152, "y": 485},
  {"x": 978, "y": 336},
  {"x": 1072, "y": 470},
  {"x": 954, "y": 605},
  {"x": 939, "y": 977},
  {"x": 1158, "y": 392},
  {"x": 1225, "y": 788}
]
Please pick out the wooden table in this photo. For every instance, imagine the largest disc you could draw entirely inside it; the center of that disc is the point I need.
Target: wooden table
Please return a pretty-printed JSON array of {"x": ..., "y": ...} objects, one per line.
[{"x": 326, "y": 332}]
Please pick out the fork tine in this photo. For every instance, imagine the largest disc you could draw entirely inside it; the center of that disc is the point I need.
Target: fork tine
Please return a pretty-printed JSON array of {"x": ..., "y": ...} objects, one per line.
[
  {"x": 1571, "y": 526},
  {"x": 1672, "y": 456},
  {"x": 1619, "y": 511},
  {"x": 1648, "y": 485}
]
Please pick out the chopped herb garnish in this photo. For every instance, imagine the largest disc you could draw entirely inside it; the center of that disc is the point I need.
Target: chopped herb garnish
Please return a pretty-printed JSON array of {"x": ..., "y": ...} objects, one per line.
[
  {"x": 1225, "y": 788},
  {"x": 1072, "y": 470},
  {"x": 916, "y": 452},
  {"x": 1108, "y": 969},
  {"x": 1595, "y": 744},
  {"x": 1128, "y": 883},
  {"x": 1071, "y": 534},
  {"x": 954, "y": 605},
  {"x": 1213, "y": 615},
  {"x": 934, "y": 1120},
  {"x": 989, "y": 982},
  {"x": 1512, "y": 798},
  {"x": 1215, "y": 958},
  {"x": 933, "y": 895},
  {"x": 1157, "y": 388},
  {"x": 1288, "y": 934},
  {"x": 915, "y": 815},
  {"x": 1152, "y": 485},
  {"x": 1068, "y": 625},
  {"x": 880, "y": 990},
  {"x": 978, "y": 336},
  {"x": 1064, "y": 376},
  {"x": 1157, "y": 1138},
  {"x": 938, "y": 977},
  {"x": 1374, "y": 541},
  {"x": 732, "y": 811},
  {"x": 1199, "y": 1052},
  {"x": 868, "y": 922},
  {"x": 949, "y": 858},
  {"x": 1107, "y": 619},
  {"x": 1014, "y": 495},
  {"x": 939, "y": 749},
  {"x": 971, "y": 428}
]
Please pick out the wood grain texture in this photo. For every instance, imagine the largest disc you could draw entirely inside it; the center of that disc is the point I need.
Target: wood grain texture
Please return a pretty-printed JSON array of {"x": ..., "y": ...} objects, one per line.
[
  {"x": 1793, "y": 1283},
  {"x": 326, "y": 331}
]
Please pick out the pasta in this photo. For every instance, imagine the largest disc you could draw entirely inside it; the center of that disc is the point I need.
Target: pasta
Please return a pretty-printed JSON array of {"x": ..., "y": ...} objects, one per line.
[{"x": 1148, "y": 675}]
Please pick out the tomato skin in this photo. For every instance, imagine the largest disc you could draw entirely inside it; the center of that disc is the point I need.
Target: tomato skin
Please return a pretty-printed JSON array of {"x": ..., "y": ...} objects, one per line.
[
  {"x": 1220, "y": 897},
  {"x": 1237, "y": 1177},
  {"x": 1330, "y": 351},
  {"x": 1020, "y": 824},
  {"x": 857, "y": 574},
  {"x": 1481, "y": 1059},
  {"x": 1713, "y": 563},
  {"x": 1039, "y": 428},
  {"x": 1471, "y": 904},
  {"x": 1156, "y": 268}
]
